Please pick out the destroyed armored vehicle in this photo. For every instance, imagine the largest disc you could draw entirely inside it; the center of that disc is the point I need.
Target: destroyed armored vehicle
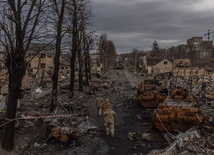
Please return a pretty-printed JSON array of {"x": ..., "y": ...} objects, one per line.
[
  {"x": 118, "y": 66},
  {"x": 151, "y": 93},
  {"x": 178, "y": 112}
]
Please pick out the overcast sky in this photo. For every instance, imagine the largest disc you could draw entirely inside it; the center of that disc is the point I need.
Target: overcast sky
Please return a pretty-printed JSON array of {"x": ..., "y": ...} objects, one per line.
[{"x": 138, "y": 23}]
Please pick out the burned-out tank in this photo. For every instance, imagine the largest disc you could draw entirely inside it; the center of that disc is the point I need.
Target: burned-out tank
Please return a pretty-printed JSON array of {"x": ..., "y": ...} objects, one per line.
[
  {"x": 150, "y": 93},
  {"x": 178, "y": 112}
]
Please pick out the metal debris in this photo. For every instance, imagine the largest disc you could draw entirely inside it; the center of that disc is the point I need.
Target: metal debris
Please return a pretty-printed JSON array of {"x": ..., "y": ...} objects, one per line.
[{"x": 189, "y": 142}]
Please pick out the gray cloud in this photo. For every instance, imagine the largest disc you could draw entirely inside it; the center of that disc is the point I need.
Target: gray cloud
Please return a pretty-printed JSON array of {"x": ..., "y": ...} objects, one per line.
[{"x": 137, "y": 23}]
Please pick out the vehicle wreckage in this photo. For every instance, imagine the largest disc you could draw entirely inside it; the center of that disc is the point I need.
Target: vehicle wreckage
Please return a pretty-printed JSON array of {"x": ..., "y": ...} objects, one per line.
[
  {"x": 178, "y": 112},
  {"x": 118, "y": 66},
  {"x": 151, "y": 93}
]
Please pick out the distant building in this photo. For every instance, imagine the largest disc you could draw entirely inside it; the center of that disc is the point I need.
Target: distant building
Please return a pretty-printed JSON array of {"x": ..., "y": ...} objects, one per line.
[
  {"x": 158, "y": 65},
  {"x": 199, "y": 43},
  {"x": 95, "y": 63},
  {"x": 64, "y": 71},
  {"x": 207, "y": 44},
  {"x": 194, "y": 41},
  {"x": 154, "y": 65},
  {"x": 41, "y": 61},
  {"x": 119, "y": 59}
]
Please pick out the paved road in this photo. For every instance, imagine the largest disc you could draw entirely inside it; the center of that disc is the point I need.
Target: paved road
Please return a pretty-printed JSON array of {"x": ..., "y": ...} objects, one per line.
[{"x": 133, "y": 79}]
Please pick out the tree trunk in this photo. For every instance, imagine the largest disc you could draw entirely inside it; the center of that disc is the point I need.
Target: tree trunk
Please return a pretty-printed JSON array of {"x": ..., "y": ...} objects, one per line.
[
  {"x": 55, "y": 78},
  {"x": 89, "y": 68},
  {"x": 72, "y": 75},
  {"x": 86, "y": 69},
  {"x": 56, "y": 58},
  {"x": 80, "y": 80},
  {"x": 41, "y": 80},
  {"x": 8, "y": 131},
  {"x": 80, "y": 71},
  {"x": 74, "y": 50},
  {"x": 15, "y": 81},
  {"x": 17, "y": 41}
]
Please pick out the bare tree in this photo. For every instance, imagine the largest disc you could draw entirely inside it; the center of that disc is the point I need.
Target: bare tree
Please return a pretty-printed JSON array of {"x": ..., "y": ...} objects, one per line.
[
  {"x": 101, "y": 46},
  {"x": 59, "y": 8},
  {"x": 80, "y": 14},
  {"x": 73, "y": 12},
  {"x": 19, "y": 28},
  {"x": 83, "y": 24},
  {"x": 89, "y": 45},
  {"x": 107, "y": 51},
  {"x": 110, "y": 53}
]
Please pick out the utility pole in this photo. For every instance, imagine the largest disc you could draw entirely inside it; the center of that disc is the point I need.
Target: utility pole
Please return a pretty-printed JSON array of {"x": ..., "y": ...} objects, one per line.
[{"x": 208, "y": 34}]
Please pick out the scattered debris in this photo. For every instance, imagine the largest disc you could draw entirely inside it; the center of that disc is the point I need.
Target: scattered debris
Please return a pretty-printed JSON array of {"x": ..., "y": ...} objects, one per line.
[
  {"x": 146, "y": 136},
  {"x": 189, "y": 142}
]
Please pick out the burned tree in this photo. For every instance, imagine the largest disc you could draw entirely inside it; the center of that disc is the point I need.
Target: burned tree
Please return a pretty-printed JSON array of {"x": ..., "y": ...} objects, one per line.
[{"x": 19, "y": 29}]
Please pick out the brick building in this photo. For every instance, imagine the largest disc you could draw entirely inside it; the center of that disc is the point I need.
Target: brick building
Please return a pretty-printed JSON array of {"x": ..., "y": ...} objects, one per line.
[{"x": 199, "y": 43}]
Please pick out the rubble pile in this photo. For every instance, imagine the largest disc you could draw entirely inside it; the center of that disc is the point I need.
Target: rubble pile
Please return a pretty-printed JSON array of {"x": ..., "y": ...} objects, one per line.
[
  {"x": 208, "y": 118},
  {"x": 102, "y": 84},
  {"x": 192, "y": 141},
  {"x": 195, "y": 84},
  {"x": 147, "y": 141},
  {"x": 66, "y": 125}
]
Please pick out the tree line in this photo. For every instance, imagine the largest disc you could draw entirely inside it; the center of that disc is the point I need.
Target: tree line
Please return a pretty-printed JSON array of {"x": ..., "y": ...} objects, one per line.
[{"x": 23, "y": 22}]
